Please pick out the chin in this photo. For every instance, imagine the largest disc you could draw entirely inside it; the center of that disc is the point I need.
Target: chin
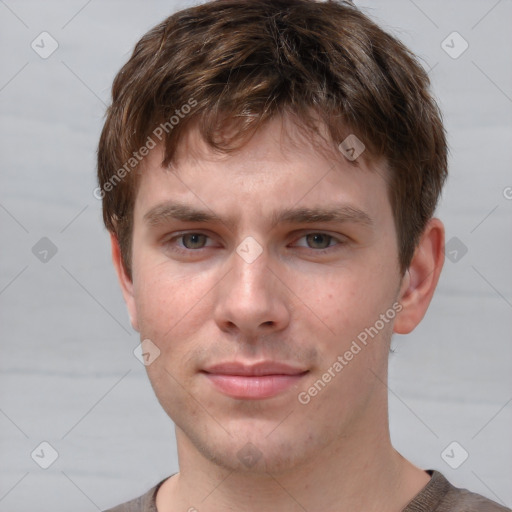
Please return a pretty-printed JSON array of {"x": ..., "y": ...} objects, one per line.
[{"x": 258, "y": 453}]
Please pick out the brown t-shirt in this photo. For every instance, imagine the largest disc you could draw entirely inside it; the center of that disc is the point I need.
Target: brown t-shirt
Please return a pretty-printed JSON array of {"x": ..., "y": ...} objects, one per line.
[{"x": 437, "y": 496}]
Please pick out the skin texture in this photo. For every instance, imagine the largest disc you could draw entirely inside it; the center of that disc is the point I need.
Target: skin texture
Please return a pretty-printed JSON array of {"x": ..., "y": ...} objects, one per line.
[{"x": 292, "y": 304}]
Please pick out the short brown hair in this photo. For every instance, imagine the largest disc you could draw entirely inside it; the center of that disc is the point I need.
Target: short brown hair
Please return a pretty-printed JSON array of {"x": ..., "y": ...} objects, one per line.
[{"x": 247, "y": 61}]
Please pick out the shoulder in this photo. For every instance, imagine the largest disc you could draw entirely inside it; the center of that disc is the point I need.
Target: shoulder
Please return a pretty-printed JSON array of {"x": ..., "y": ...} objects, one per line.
[
  {"x": 439, "y": 495},
  {"x": 135, "y": 505},
  {"x": 144, "y": 503},
  {"x": 466, "y": 501}
]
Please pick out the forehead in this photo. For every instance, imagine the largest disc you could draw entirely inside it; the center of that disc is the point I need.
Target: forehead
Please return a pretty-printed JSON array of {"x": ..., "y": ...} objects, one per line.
[{"x": 280, "y": 165}]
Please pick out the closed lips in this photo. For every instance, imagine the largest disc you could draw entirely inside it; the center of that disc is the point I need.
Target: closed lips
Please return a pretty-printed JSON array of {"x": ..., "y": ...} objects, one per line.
[
  {"x": 253, "y": 382},
  {"x": 258, "y": 369}
]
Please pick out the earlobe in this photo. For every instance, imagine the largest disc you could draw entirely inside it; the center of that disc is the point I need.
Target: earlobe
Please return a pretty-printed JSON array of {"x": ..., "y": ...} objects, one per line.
[
  {"x": 125, "y": 281},
  {"x": 421, "y": 278}
]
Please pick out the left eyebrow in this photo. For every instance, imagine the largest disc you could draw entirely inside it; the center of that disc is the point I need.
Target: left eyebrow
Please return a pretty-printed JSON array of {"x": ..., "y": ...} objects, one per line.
[{"x": 338, "y": 214}]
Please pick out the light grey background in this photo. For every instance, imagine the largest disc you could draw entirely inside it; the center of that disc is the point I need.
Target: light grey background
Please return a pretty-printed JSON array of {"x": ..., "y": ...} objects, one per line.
[{"x": 68, "y": 373}]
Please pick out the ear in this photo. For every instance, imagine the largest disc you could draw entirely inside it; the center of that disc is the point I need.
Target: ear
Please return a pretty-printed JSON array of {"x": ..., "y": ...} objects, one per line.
[
  {"x": 420, "y": 280},
  {"x": 125, "y": 281}
]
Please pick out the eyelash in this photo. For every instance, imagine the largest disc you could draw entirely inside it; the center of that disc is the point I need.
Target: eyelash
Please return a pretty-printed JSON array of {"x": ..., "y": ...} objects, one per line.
[{"x": 183, "y": 250}]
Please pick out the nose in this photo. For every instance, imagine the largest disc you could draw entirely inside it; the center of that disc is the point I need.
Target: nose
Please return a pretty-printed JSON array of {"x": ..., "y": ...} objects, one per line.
[{"x": 251, "y": 301}]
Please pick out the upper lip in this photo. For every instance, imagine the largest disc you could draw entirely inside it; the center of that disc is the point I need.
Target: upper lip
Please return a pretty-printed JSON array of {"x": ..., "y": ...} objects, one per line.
[{"x": 261, "y": 368}]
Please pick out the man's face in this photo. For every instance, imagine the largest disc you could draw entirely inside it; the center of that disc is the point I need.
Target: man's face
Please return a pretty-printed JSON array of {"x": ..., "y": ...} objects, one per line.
[{"x": 298, "y": 292}]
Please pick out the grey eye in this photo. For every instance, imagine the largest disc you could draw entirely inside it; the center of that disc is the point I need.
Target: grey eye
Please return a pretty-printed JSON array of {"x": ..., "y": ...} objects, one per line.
[
  {"x": 194, "y": 240},
  {"x": 318, "y": 240}
]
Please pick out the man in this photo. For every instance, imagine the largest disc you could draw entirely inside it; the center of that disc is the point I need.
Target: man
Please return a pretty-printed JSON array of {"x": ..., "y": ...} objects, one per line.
[{"x": 269, "y": 171}]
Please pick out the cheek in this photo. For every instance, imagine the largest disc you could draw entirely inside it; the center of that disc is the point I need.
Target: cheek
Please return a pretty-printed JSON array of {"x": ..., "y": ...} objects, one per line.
[
  {"x": 166, "y": 300},
  {"x": 169, "y": 311},
  {"x": 347, "y": 301}
]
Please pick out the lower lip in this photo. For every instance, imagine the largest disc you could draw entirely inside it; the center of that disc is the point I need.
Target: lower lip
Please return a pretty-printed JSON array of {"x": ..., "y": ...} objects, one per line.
[{"x": 253, "y": 387}]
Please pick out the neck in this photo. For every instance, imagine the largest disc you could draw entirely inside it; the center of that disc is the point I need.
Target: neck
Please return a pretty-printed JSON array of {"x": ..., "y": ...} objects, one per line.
[{"x": 359, "y": 472}]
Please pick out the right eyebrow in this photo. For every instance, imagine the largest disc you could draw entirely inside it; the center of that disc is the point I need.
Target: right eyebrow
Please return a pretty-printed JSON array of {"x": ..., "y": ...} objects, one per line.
[{"x": 168, "y": 211}]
